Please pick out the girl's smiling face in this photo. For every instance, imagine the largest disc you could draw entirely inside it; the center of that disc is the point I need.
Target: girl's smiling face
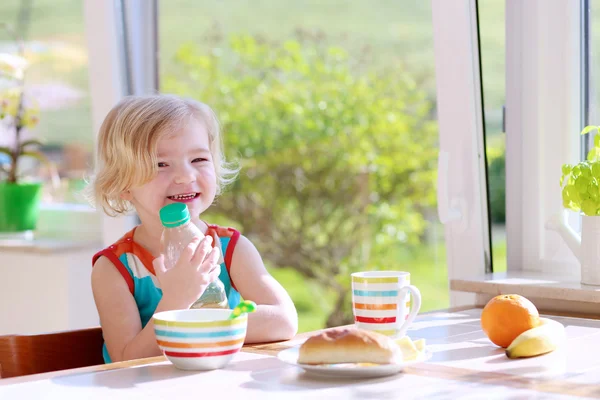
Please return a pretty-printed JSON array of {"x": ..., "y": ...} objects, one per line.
[{"x": 186, "y": 174}]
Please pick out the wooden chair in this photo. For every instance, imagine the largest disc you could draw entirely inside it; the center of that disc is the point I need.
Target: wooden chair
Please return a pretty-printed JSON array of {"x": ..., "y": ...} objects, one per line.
[{"x": 34, "y": 354}]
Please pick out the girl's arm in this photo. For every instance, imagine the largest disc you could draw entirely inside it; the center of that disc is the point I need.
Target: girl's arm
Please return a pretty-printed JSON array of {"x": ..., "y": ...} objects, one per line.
[
  {"x": 275, "y": 317},
  {"x": 119, "y": 317},
  {"x": 181, "y": 286}
]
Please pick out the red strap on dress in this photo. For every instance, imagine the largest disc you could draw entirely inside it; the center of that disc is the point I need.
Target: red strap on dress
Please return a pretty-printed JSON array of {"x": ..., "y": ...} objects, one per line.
[{"x": 108, "y": 253}]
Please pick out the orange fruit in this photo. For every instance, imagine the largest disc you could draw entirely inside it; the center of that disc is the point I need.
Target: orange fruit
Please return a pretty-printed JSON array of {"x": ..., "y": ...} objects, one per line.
[{"x": 507, "y": 316}]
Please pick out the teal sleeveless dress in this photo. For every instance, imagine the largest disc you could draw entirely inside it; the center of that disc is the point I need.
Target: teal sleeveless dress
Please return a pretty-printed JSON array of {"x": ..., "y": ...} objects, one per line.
[{"x": 134, "y": 263}]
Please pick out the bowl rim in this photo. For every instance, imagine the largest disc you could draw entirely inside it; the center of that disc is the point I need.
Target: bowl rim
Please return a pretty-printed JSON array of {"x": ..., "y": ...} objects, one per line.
[{"x": 204, "y": 323}]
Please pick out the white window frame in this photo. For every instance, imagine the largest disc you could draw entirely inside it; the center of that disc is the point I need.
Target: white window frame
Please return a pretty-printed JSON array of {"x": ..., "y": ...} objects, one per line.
[
  {"x": 462, "y": 188},
  {"x": 141, "y": 25},
  {"x": 543, "y": 119}
]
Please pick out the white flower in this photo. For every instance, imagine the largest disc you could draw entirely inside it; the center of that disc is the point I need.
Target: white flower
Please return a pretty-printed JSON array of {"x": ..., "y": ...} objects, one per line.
[{"x": 13, "y": 65}]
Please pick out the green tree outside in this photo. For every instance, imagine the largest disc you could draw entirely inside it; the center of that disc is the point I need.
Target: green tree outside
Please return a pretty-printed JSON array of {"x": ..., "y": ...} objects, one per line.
[{"x": 338, "y": 158}]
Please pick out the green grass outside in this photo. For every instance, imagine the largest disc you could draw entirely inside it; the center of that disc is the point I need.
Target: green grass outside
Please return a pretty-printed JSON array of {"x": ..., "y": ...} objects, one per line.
[{"x": 499, "y": 255}]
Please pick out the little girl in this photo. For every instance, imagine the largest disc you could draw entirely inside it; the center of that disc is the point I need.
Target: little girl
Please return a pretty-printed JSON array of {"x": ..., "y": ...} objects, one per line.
[{"x": 153, "y": 151}]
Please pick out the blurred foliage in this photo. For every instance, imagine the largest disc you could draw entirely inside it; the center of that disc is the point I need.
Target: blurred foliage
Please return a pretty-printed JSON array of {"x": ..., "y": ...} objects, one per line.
[
  {"x": 337, "y": 157},
  {"x": 497, "y": 183}
]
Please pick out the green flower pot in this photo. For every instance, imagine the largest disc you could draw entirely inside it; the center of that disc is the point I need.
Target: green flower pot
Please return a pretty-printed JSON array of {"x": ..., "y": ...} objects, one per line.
[{"x": 19, "y": 206}]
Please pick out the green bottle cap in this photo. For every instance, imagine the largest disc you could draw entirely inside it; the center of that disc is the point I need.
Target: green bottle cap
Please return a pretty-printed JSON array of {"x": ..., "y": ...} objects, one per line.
[{"x": 174, "y": 215}]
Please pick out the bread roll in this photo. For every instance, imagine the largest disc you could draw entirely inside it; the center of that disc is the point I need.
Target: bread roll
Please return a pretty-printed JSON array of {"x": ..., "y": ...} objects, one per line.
[{"x": 346, "y": 345}]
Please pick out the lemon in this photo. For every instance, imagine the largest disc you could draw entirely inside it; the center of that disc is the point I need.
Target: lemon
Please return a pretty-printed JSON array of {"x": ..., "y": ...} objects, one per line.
[
  {"x": 410, "y": 352},
  {"x": 420, "y": 344}
]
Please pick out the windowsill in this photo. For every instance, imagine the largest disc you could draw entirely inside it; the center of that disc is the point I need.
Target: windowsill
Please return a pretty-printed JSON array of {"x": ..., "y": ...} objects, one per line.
[
  {"x": 70, "y": 207},
  {"x": 529, "y": 284},
  {"x": 61, "y": 228},
  {"x": 48, "y": 245}
]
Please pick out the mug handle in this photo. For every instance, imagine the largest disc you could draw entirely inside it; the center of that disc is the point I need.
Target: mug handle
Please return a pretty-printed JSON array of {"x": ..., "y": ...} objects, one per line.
[{"x": 415, "y": 306}]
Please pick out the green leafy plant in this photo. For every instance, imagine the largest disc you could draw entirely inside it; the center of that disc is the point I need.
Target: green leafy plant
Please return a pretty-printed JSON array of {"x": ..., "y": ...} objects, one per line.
[
  {"x": 17, "y": 112},
  {"x": 581, "y": 182}
]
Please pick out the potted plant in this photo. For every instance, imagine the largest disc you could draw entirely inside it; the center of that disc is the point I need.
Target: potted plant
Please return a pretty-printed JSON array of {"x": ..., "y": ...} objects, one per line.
[
  {"x": 580, "y": 185},
  {"x": 20, "y": 195}
]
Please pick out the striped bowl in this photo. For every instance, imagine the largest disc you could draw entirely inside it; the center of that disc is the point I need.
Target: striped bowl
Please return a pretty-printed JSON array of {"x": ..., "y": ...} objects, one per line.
[{"x": 199, "y": 339}]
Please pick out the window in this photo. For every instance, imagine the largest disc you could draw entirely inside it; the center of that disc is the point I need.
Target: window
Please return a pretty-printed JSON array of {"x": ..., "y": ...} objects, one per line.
[
  {"x": 57, "y": 80},
  {"x": 491, "y": 21},
  {"x": 330, "y": 108},
  {"x": 285, "y": 79},
  {"x": 591, "y": 69},
  {"x": 543, "y": 121}
]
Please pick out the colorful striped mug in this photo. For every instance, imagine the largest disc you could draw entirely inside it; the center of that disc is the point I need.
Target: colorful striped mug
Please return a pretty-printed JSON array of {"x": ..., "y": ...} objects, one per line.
[{"x": 381, "y": 301}]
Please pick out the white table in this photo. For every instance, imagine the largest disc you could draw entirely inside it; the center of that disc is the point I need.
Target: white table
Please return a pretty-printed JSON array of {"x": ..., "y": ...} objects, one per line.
[{"x": 465, "y": 365}]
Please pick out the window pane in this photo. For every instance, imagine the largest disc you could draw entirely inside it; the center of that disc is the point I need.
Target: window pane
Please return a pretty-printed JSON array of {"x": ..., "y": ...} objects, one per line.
[
  {"x": 330, "y": 109},
  {"x": 591, "y": 88},
  {"x": 492, "y": 47},
  {"x": 56, "y": 83}
]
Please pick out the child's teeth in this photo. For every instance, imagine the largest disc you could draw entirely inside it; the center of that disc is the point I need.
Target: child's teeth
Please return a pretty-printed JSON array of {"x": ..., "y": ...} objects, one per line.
[{"x": 184, "y": 197}]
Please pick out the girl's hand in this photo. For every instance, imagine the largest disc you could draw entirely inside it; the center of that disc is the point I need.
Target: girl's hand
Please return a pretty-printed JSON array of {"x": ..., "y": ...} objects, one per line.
[{"x": 196, "y": 268}]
